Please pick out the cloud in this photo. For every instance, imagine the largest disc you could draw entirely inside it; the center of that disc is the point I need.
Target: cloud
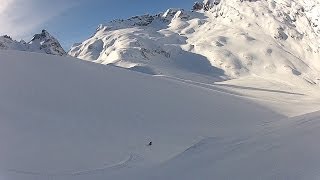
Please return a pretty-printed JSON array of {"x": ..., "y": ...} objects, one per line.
[{"x": 20, "y": 18}]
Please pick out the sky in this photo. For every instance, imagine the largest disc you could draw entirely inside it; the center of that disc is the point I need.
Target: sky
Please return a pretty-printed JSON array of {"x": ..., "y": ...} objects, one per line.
[{"x": 72, "y": 21}]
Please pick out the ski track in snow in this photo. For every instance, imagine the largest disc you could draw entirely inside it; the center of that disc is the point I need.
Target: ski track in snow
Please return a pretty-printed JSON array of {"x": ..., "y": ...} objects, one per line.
[{"x": 121, "y": 164}]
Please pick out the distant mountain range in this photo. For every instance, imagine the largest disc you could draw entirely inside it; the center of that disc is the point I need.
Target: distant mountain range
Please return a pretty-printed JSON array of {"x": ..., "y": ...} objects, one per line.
[
  {"x": 41, "y": 43},
  {"x": 218, "y": 39}
]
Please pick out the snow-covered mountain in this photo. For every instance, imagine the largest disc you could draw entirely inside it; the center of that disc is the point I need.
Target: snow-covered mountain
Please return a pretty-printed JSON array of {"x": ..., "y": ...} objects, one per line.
[
  {"x": 277, "y": 39},
  {"x": 41, "y": 43},
  {"x": 62, "y": 118}
]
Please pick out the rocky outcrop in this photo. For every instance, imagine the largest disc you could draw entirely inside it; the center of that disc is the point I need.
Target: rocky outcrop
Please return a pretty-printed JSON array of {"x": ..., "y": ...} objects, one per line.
[{"x": 44, "y": 42}]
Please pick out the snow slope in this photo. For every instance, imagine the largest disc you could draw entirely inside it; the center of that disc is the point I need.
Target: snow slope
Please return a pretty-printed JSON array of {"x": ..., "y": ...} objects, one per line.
[
  {"x": 221, "y": 40},
  {"x": 40, "y": 43},
  {"x": 63, "y": 118},
  {"x": 287, "y": 149}
]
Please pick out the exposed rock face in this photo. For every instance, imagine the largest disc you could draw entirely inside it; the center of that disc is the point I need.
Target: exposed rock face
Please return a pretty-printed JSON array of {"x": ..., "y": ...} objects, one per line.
[
  {"x": 208, "y": 4},
  {"x": 197, "y": 6},
  {"x": 44, "y": 42},
  {"x": 7, "y": 43}
]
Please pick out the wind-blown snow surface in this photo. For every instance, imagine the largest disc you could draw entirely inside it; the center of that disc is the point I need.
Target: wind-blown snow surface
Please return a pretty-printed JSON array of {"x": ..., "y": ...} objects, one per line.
[
  {"x": 224, "y": 39},
  {"x": 62, "y": 118}
]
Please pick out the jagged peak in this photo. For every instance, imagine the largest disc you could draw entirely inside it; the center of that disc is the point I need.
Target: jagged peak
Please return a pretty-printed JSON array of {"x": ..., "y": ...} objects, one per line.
[
  {"x": 142, "y": 20},
  {"x": 43, "y": 42},
  {"x": 208, "y": 4},
  {"x": 205, "y": 5},
  {"x": 197, "y": 6},
  {"x": 44, "y": 34},
  {"x": 7, "y": 37}
]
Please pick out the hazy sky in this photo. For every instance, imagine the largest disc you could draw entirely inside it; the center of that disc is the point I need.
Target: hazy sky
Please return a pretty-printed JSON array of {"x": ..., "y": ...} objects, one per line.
[{"x": 73, "y": 20}]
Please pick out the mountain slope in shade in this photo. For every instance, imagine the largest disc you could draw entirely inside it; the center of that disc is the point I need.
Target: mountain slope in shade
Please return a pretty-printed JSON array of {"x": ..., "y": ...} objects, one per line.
[
  {"x": 219, "y": 39},
  {"x": 40, "y": 43}
]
